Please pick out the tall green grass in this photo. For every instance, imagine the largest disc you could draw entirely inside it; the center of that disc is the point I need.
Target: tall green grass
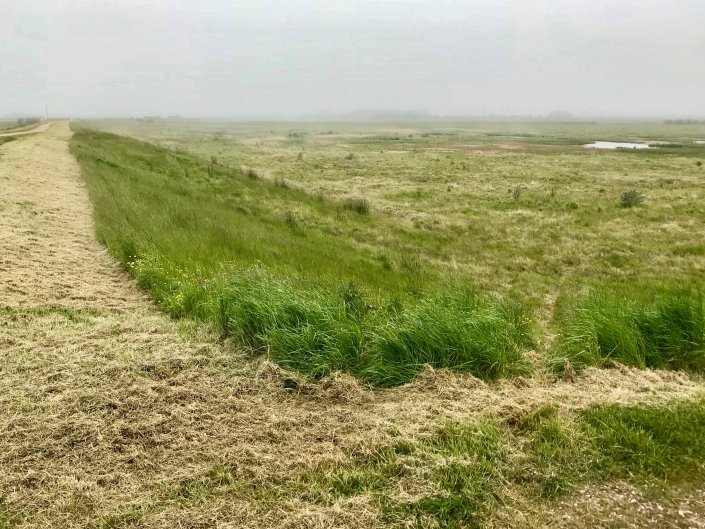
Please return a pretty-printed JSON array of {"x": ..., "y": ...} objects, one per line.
[
  {"x": 266, "y": 264},
  {"x": 638, "y": 327},
  {"x": 321, "y": 330}
]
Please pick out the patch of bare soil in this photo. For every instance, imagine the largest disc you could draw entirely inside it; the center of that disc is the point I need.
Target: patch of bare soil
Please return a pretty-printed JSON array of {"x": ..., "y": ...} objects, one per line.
[
  {"x": 110, "y": 409},
  {"x": 619, "y": 505}
]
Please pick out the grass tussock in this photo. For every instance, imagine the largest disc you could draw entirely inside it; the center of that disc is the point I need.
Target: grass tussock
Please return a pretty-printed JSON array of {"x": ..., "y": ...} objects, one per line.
[
  {"x": 210, "y": 242},
  {"x": 631, "y": 198},
  {"x": 357, "y": 205},
  {"x": 663, "y": 330}
]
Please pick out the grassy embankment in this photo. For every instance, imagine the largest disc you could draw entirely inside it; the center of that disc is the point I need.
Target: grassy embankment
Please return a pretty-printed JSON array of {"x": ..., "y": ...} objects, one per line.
[
  {"x": 519, "y": 208},
  {"x": 334, "y": 286},
  {"x": 299, "y": 275},
  {"x": 228, "y": 247}
]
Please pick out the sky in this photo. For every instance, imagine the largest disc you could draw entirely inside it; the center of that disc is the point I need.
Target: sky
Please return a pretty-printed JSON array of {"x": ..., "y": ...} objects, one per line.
[{"x": 299, "y": 58}]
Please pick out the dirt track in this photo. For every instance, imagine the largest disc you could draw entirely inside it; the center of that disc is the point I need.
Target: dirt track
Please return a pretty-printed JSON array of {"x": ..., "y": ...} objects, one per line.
[
  {"x": 39, "y": 128},
  {"x": 107, "y": 404}
]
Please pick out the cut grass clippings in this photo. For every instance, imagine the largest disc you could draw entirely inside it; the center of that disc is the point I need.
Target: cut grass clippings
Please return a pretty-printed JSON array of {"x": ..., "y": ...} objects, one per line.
[
  {"x": 461, "y": 475},
  {"x": 469, "y": 471}
]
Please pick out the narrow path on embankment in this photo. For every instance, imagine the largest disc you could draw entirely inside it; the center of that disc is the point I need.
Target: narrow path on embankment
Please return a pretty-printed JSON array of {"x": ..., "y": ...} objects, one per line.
[{"x": 39, "y": 128}]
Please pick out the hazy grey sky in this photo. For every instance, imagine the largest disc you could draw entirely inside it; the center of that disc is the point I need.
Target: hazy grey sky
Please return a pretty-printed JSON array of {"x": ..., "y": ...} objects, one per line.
[{"x": 290, "y": 58}]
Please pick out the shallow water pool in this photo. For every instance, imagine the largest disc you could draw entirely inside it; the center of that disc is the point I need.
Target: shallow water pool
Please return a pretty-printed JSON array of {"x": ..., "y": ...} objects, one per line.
[{"x": 615, "y": 145}]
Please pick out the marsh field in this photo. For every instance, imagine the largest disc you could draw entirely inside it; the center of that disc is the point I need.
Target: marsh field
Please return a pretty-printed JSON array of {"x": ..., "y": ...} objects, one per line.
[{"x": 432, "y": 325}]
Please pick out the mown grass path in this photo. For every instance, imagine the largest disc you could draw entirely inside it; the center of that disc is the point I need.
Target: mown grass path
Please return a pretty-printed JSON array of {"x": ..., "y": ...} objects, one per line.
[
  {"x": 24, "y": 130},
  {"x": 113, "y": 415}
]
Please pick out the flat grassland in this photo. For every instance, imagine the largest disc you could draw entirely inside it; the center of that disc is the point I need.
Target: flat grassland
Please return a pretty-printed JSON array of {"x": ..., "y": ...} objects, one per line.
[{"x": 510, "y": 207}]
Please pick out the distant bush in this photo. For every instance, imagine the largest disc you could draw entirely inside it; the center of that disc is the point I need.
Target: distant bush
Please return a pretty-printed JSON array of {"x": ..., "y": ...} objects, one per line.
[
  {"x": 631, "y": 198},
  {"x": 350, "y": 156},
  {"x": 27, "y": 121},
  {"x": 385, "y": 261},
  {"x": 359, "y": 205},
  {"x": 210, "y": 168}
]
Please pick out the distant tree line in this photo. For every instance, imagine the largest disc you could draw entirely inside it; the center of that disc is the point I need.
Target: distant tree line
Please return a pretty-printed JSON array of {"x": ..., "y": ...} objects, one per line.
[
  {"x": 28, "y": 121},
  {"x": 685, "y": 121}
]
